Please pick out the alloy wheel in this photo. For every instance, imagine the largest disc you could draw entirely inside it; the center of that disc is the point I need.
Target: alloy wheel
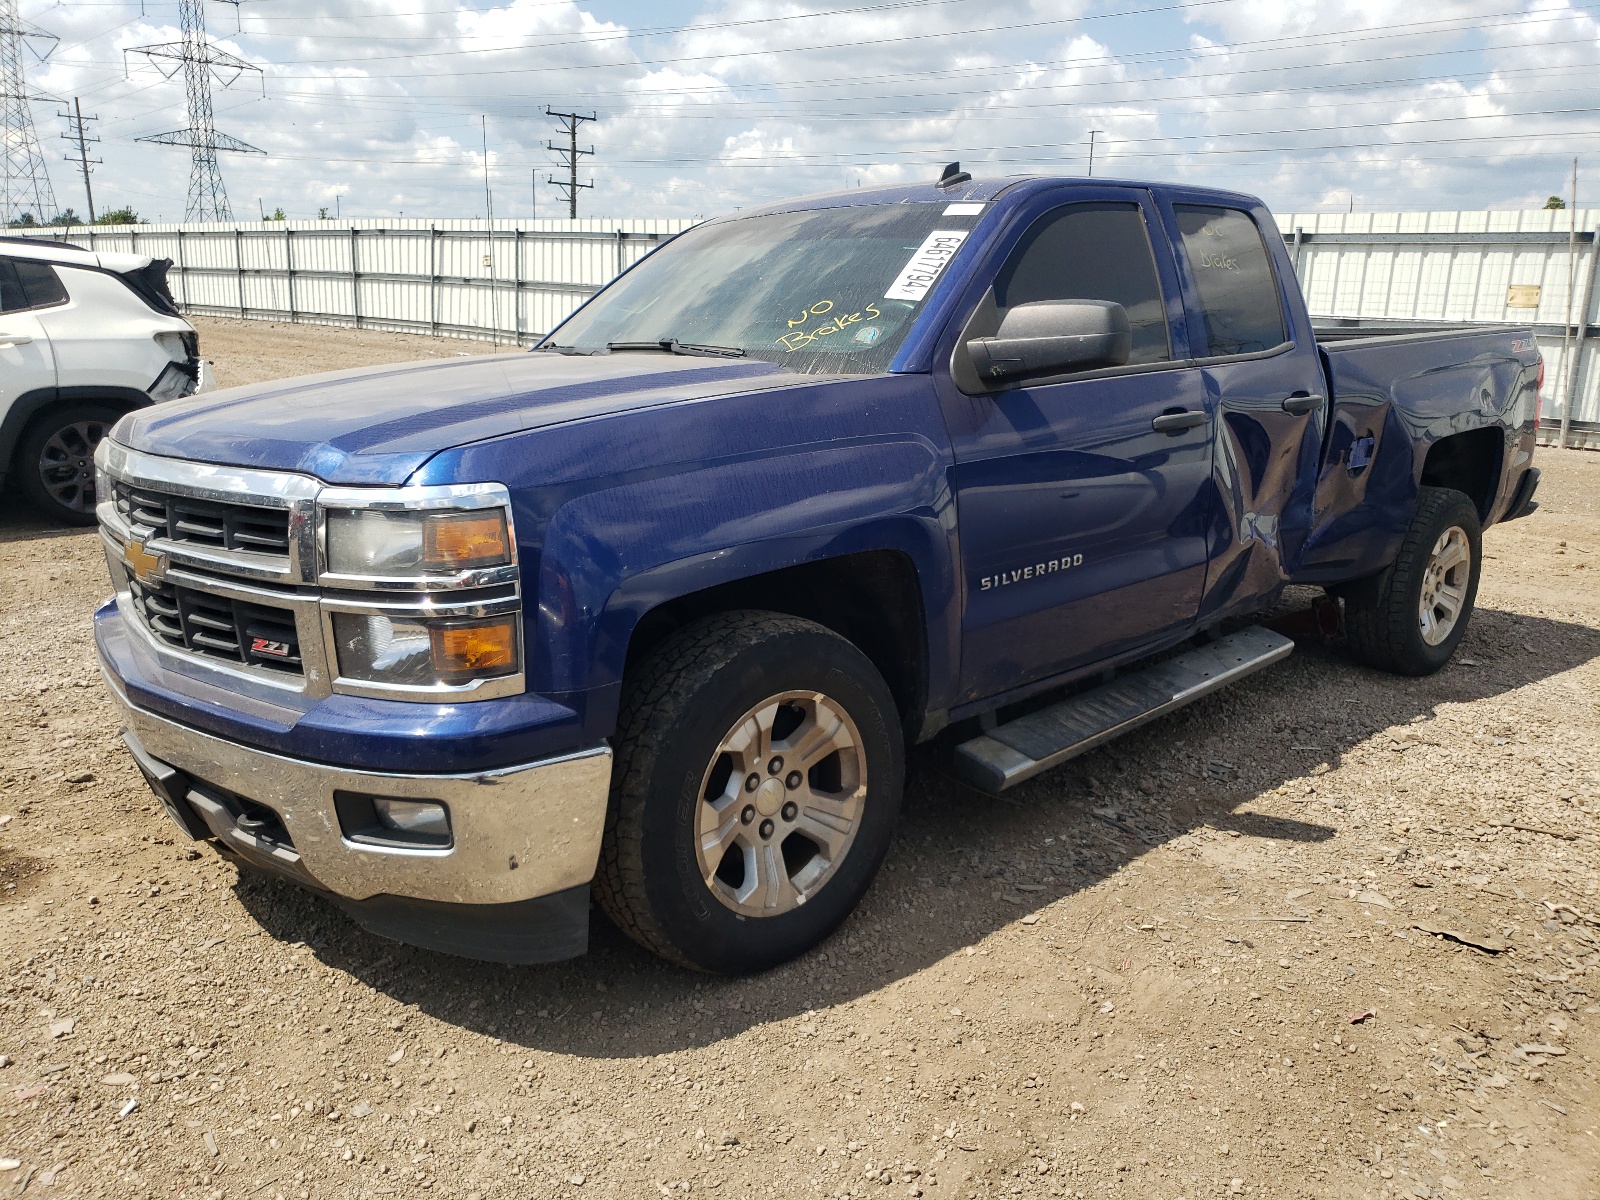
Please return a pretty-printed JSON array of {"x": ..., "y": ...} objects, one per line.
[
  {"x": 780, "y": 803},
  {"x": 1444, "y": 585},
  {"x": 66, "y": 465}
]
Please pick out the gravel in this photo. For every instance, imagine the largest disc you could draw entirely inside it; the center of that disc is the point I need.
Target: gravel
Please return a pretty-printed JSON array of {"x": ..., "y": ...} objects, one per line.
[{"x": 1330, "y": 933}]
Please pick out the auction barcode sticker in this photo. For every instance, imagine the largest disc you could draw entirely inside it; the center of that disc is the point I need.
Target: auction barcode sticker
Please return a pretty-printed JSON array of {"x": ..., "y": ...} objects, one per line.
[{"x": 937, "y": 249}]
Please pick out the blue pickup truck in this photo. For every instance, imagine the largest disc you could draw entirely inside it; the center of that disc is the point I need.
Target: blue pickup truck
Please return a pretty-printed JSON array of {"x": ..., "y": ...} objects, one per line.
[{"x": 655, "y": 610}]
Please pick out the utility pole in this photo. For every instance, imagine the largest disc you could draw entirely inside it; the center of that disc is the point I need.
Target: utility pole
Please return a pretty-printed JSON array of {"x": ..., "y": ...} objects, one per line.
[
  {"x": 570, "y": 152},
  {"x": 1566, "y": 325},
  {"x": 26, "y": 183},
  {"x": 1093, "y": 133},
  {"x": 201, "y": 61},
  {"x": 488, "y": 259},
  {"x": 75, "y": 120}
]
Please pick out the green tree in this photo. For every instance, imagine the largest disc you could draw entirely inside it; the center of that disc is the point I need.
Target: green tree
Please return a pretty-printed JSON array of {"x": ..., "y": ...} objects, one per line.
[
  {"x": 322, "y": 214},
  {"x": 1555, "y": 202},
  {"x": 25, "y": 221},
  {"x": 66, "y": 217},
  {"x": 119, "y": 216},
  {"x": 277, "y": 215}
]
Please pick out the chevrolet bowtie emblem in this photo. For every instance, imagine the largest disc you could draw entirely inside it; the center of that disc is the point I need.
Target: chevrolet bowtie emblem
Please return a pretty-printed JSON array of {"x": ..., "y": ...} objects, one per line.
[{"x": 146, "y": 567}]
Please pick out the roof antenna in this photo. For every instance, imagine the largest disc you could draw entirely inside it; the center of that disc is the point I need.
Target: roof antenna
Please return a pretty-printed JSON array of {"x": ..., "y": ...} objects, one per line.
[{"x": 953, "y": 174}]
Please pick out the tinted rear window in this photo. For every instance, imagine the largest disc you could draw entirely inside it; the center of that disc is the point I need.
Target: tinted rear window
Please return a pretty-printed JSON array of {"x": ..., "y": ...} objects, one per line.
[
  {"x": 1238, "y": 294},
  {"x": 40, "y": 282}
]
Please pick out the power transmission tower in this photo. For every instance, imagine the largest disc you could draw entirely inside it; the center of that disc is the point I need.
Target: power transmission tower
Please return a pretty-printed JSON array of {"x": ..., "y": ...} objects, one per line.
[
  {"x": 201, "y": 61},
  {"x": 75, "y": 120},
  {"x": 26, "y": 183},
  {"x": 570, "y": 152}
]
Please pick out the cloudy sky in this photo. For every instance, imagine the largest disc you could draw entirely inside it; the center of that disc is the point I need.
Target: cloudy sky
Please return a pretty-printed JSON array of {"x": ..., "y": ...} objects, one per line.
[{"x": 380, "y": 108}]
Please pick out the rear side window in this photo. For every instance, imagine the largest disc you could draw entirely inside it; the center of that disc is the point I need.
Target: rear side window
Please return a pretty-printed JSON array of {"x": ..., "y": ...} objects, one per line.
[
  {"x": 1092, "y": 252},
  {"x": 40, "y": 283},
  {"x": 1233, "y": 275},
  {"x": 12, "y": 297}
]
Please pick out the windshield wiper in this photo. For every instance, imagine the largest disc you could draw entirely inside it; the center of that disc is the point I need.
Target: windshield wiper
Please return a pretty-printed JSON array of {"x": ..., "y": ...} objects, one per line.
[{"x": 674, "y": 346}]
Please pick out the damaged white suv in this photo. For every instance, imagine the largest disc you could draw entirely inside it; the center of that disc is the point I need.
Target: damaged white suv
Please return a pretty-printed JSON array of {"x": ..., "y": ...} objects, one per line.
[{"x": 84, "y": 338}]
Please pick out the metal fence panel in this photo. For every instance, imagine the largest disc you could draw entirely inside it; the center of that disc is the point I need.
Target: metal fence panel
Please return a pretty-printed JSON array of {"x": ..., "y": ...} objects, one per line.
[
  {"x": 519, "y": 280},
  {"x": 1468, "y": 268},
  {"x": 513, "y": 283}
]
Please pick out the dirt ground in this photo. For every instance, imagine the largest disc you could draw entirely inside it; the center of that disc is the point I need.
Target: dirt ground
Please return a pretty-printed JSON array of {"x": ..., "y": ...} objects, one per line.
[{"x": 1331, "y": 933}]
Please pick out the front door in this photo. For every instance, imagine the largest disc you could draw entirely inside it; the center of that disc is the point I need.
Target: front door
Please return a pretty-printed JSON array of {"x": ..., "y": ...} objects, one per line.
[{"x": 1083, "y": 501}]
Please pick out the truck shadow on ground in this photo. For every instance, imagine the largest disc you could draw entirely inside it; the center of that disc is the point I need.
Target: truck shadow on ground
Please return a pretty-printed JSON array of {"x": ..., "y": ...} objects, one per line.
[{"x": 965, "y": 865}]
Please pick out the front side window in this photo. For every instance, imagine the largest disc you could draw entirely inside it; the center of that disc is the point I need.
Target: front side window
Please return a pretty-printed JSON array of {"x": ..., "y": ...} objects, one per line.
[
  {"x": 1092, "y": 252},
  {"x": 1233, "y": 276},
  {"x": 40, "y": 283},
  {"x": 823, "y": 291}
]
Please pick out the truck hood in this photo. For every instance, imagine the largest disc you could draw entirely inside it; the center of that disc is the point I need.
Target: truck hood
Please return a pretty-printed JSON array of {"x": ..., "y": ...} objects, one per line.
[{"x": 377, "y": 425}]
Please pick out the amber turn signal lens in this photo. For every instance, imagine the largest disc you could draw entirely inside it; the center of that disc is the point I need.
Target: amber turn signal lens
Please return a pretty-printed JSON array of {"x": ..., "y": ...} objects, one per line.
[
  {"x": 461, "y": 541},
  {"x": 461, "y": 652}
]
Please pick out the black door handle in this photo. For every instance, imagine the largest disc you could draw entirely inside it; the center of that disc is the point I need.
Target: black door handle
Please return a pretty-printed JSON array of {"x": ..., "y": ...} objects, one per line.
[
  {"x": 1301, "y": 403},
  {"x": 1177, "y": 422}
]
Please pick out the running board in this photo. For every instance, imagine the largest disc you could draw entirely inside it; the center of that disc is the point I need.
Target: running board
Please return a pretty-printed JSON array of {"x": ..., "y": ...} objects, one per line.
[{"x": 1021, "y": 749}]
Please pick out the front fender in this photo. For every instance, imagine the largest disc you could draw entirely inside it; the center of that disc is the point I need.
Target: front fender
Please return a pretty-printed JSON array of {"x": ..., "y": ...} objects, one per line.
[{"x": 610, "y": 556}]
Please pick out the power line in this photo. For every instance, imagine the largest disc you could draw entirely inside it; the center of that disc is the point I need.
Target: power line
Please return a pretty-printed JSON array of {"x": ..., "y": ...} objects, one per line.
[
  {"x": 569, "y": 126},
  {"x": 201, "y": 60},
  {"x": 1510, "y": 17},
  {"x": 754, "y": 109},
  {"x": 26, "y": 182},
  {"x": 75, "y": 122}
]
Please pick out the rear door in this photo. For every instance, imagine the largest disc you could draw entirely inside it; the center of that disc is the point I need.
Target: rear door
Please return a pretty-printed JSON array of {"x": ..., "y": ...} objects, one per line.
[
  {"x": 26, "y": 362},
  {"x": 1262, "y": 371},
  {"x": 1082, "y": 524}
]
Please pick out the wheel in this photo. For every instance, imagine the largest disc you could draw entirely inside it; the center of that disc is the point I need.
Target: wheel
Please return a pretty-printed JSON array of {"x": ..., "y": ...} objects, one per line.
[
  {"x": 759, "y": 763},
  {"x": 1410, "y": 618},
  {"x": 55, "y": 460}
]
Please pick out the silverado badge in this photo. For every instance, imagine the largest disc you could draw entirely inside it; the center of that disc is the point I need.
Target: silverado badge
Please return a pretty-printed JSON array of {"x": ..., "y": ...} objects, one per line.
[{"x": 146, "y": 567}]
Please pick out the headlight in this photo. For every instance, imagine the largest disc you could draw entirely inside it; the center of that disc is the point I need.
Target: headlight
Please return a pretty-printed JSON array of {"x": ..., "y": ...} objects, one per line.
[
  {"x": 425, "y": 652},
  {"x": 383, "y": 544},
  {"x": 104, "y": 489}
]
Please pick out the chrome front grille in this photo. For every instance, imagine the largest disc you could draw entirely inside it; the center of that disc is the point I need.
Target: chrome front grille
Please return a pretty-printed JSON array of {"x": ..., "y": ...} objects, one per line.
[
  {"x": 202, "y": 523},
  {"x": 185, "y": 618},
  {"x": 218, "y": 573}
]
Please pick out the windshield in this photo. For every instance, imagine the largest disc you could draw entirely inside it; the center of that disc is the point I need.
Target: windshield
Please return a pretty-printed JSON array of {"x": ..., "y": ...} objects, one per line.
[{"x": 828, "y": 291}]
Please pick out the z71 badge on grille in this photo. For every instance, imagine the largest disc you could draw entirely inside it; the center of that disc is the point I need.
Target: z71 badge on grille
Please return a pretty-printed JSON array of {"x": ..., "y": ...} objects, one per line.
[{"x": 266, "y": 646}]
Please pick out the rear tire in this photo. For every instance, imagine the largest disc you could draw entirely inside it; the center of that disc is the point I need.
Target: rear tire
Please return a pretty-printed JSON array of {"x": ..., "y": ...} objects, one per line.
[
  {"x": 55, "y": 460},
  {"x": 1410, "y": 618},
  {"x": 759, "y": 764}
]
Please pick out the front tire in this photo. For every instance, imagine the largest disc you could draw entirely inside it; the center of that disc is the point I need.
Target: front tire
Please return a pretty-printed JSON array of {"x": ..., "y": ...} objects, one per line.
[
  {"x": 755, "y": 792},
  {"x": 55, "y": 460},
  {"x": 1410, "y": 618}
]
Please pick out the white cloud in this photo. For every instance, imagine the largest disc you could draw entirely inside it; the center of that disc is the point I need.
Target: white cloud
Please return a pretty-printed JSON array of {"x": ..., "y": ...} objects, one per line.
[{"x": 732, "y": 103}]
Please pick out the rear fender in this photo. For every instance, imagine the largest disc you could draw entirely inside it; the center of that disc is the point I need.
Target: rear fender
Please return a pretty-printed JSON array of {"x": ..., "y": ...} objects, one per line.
[{"x": 1392, "y": 403}]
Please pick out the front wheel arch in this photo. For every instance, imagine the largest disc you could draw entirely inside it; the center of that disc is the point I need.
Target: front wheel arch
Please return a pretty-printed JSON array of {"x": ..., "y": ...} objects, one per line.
[{"x": 679, "y": 707}]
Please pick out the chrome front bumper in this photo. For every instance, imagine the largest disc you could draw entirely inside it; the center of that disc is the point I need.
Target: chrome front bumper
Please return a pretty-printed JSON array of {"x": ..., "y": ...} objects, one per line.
[{"x": 518, "y": 832}]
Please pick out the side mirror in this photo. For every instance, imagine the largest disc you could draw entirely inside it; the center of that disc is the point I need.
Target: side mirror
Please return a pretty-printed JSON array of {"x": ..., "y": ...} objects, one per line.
[{"x": 1048, "y": 337}]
